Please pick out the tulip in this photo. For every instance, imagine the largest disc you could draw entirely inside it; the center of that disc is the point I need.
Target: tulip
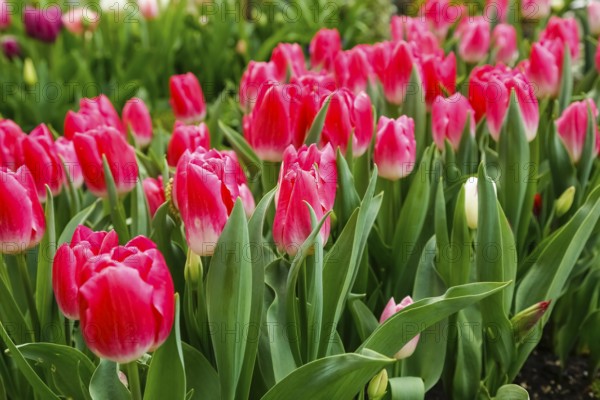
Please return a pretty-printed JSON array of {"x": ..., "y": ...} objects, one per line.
[
  {"x": 124, "y": 297},
  {"x": 414, "y": 30},
  {"x": 472, "y": 202},
  {"x": 270, "y": 127},
  {"x": 474, "y": 39},
  {"x": 206, "y": 186},
  {"x": 544, "y": 68},
  {"x": 348, "y": 118},
  {"x": 68, "y": 262},
  {"x": 187, "y": 99},
  {"x": 525, "y": 320},
  {"x": 324, "y": 47},
  {"x": 136, "y": 118},
  {"x": 22, "y": 222},
  {"x": 504, "y": 44},
  {"x": 395, "y": 147},
  {"x": 440, "y": 15},
  {"x": 378, "y": 386},
  {"x": 353, "y": 70},
  {"x": 565, "y": 30},
  {"x": 448, "y": 119},
  {"x": 593, "y": 14},
  {"x": 148, "y": 9},
  {"x": 5, "y": 17},
  {"x": 289, "y": 61},
  {"x": 255, "y": 76},
  {"x": 392, "y": 308},
  {"x": 66, "y": 151},
  {"x": 597, "y": 57},
  {"x": 10, "y": 47},
  {"x": 11, "y": 150},
  {"x": 439, "y": 76},
  {"x": 29, "y": 73},
  {"x": 307, "y": 175},
  {"x": 535, "y": 9},
  {"x": 496, "y": 10},
  {"x": 43, "y": 24},
  {"x": 79, "y": 20},
  {"x": 93, "y": 113},
  {"x": 537, "y": 204},
  {"x": 186, "y": 137},
  {"x": 155, "y": 193},
  {"x": 396, "y": 76},
  {"x": 572, "y": 127},
  {"x": 106, "y": 141},
  {"x": 42, "y": 159},
  {"x": 565, "y": 201}
]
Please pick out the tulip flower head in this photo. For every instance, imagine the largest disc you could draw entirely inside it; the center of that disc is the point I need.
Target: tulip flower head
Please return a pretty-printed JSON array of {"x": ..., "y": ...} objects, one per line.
[
  {"x": 395, "y": 147},
  {"x": 11, "y": 149},
  {"x": 41, "y": 157},
  {"x": 155, "y": 193},
  {"x": 10, "y": 47},
  {"x": 504, "y": 44},
  {"x": 136, "y": 118},
  {"x": 571, "y": 127},
  {"x": 535, "y": 9},
  {"x": 5, "y": 18},
  {"x": 472, "y": 201},
  {"x": 43, "y": 24},
  {"x": 187, "y": 99},
  {"x": 80, "y": 19},
  {"x": 66, "y": 151},
  {"x": 474, "y": 39},
  {"x": 392, "y": 308},
  {"x": 186, "y": 137},
  {"x": 324, "y": 47},
  {"x": 289, "y": 61},
  {"x": 449, "y": 116},
  {"x": 255, "y": 76},
  {"x": 593, "y": 14}
]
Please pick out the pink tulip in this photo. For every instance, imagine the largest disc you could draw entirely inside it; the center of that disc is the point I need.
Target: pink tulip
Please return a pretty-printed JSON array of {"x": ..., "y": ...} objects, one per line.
[
  {"x": 186, "y": 137},
  {"x": 473, "y": 39},
  {"x": 69, "y": 260},
  {"x": 565, "y": 30},
  {"x": 593, "y": 14},
  {"x": 79, "y": 20},
  {"x": 10, "y": 47},
  {"x": 535, "y": 9},
  {"x": 597, "y": 57},
  {"x": 93, "y": 113},
  {"x": 66, "y": 151},
  {"x": 155, "y": 193},
  {"x": 136, "y": 118},
  {"x": 148, "y": 9},
  {"x": 572, "y": 127},
  {"x": 353, "y": 70},
  {"x": 187, "y": 99},
  {"x": 448, "y": 119},
  {"x": 22, "y": 221},
  {"x": 392, "y": 308},
  {"x": 544, "y": 68},
  {"x": 207, "y": 184},
  {"x": 395, "y": 147},
  {"x": 415, "y": 31},
  {"x": 255, "y": 76},
  {"x": 496, "y": 10},
  {"x": 324, "y": 47},
  {"x": 43, "y": 161},
  {"x": 441, "y": 15},
  {"x": 289, "y": 61},
  {"x": 348, "y": 118},
  {"x": 396, "y": 75},
  {"x": 307, "y": 175},
  {"x": 11, "y": 150},
  {"x": 439, "y": 75},
  {"x": 106, "y": 141},
  {"x": 5, "y": 18},
  {"x": 504, "y": 44}
]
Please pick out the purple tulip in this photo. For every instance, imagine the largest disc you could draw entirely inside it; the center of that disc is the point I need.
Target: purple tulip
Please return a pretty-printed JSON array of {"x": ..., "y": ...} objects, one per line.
[{"x": 43, "y": 23}]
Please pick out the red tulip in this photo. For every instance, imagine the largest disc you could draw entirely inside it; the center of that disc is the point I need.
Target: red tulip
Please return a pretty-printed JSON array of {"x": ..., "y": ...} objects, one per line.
[
  {"x": 270, "y": 127},
  {"x": 206, "y": 186},
  {"x": 69, "y": 260},
  {"x": 324, "y": 47},
  {"x": 126, "y": 301},
  {"x": 307, "y": 175},
  {"x": 565, "y": 30},
  {"x": 414, "y": 30},
  {"x": 346, "y": 115},
  {"x": 255, "y": 76},
  {"x": 106, "y": 141},
  {"x": 392, "y": 308},
  {"x": 489, "y": 94},
  {"x": 66, "y": 151},
  {"x": 353, "y": 70},
  {"x": 289, "y": 61},
  {"x": 572, "y": 127},
  {"x": 396, "y": 75},
  {"x": 187, "y": 99},
  {"x": 535, "y": 9},
  {"x": 136, "y": 117},
  {"x": 186, "y": 137},
  {"x": 439, "y": 75},
  {"x": 93, "y": 113},
  {"x": 504, "y": 44},
  {"x": 473, "y": 39},
  {"x": 42, "y": 159},
  {"x": 22, "y": 222},
  {"x": 75, "y": 123},
  {"x": 395, "y": 147},
  {"x": 448, "y": 119},
  {"x": 155, "y": 193},
  {"x": 11, "y": 138},
  {"x": 593, "y": 14}
]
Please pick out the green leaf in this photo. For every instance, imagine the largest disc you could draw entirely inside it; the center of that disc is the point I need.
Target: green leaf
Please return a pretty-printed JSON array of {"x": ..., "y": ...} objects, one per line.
[
  {"x": 201, "y": 377},
  {"x": 140, "y": 216},
  {"x": 116, "y": 207},
  {"x": 364, "y": 320},
  {"x": 414, "y": 107},
  {"x": 566, "y": 81},
  {"x": 69, "y": 369},
  {"x": 347, "y": 199},
  {"x": 460, "y": 249},
  {"x": 314, "y": 134},
  {"x": 335, "y": 377},
  {"x": 79, "y": 219},
  {"x": 105, "y": 383},
  {"x": 588, "y": 153},
  {"x": 166, "y": 376},
  {"x": 229, "y": 299},
  {"x": 44, "y": 297},
  {"x": 390, "y": 337},
  {"x": 407, "y": 388},
  {"x": 512, "y": 392},
  {"x": 240, "y": 145}
]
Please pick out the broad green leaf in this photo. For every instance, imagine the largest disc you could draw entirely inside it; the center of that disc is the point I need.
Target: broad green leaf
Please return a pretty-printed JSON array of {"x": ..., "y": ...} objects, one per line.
[
  {"x": 314, "y": 134},
  {"x": 105, "y": 383},
  {"x": 407, "y": 388},
  {"x": 347, "y": 199},
  {"x": 364, "y": 320},
  {"x": 10, "y": 312},
  {"x": 242, "y": 147},
  {"x": 588, "y": 153},
  {"x": 511, "y": 392},
  {"x": 460, "y": 250},
  {"x": 166, "y": 376},
  {"x": 335, "y": 377},
  {"x": 229, "y": 298},
  {"x": 44, "y": 297},
  {"x": 140, "y": 216},
  {"x": 414, "y": 107},
  {"x": 78, "y": 219},
  {"x": 201, "y": 377},
  {"x": 566, "y": 81}
]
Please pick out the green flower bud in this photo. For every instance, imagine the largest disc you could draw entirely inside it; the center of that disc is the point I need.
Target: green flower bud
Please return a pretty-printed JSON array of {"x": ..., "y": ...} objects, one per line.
[
  {"x": 29, "y": 73},
  {"x": 565, "y": 201},
  {"x": 378, "y": 386}
]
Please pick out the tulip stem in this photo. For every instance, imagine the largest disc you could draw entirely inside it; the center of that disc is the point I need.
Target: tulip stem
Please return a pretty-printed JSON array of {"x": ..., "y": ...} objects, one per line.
[
  {"x": 133, "y": 377},
  {"x": 33, "y": 314}
]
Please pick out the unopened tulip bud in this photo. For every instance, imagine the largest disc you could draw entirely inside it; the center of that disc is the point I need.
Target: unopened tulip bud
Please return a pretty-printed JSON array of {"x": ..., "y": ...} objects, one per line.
[
  {"x": 193, "y": 267},
  {"x": 29, "y": 73},
  {"x": 472, "y": 202},
  {"x": 526, "y": 320},
  {"x": 392, "y": 308},
  {"x": 565, "y": 201},
  {"x": 378, "y": 386}
]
